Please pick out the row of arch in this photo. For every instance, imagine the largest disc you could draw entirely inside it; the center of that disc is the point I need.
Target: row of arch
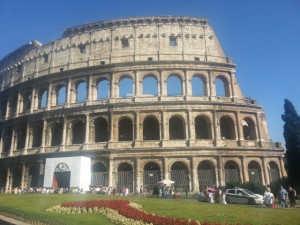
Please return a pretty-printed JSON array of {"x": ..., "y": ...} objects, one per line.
[
  {"x": 42, "y": 96},
  {"x": 152, "y": 173},
  {"x": 100, "y": 131}
]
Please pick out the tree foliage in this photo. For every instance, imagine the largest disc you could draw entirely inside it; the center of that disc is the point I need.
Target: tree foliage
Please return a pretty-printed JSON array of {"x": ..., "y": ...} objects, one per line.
[{"x": 291, "y": 135}]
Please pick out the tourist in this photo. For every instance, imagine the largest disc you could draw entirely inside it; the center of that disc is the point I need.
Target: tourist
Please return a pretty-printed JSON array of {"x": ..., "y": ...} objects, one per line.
[
  {"x": 282, "y": 197},
  {"x": 201, "y": 196},
  {"x": 292, "y": 197},
  {"x": 268, "y": 197}
]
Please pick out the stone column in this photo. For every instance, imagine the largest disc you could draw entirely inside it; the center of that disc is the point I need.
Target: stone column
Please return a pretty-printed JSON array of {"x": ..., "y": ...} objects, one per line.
[
  {"x": 220, "y": 169},
  {"x": 265, "y": 171},
  {"x": 215, "y": 128},
  {"x": 136, "y": 127},
  {"x": 28, "y": 138},
  {"x": 110, "y": 172},
  {"x": 12, "y": 144},
  {"x": 136, "y": 84},
  {"x": 165, "y": 166},
  {"x": 185, "y": 84},
  {"x": 195, "y": 183},
  {"x": 238, "y": 126},
  {"x": 1, "y": 142},
  {"x": 19, "y": 106},
  {"x": 41, "y": 172},
  {"x": 87, "y": 130},
  {"x": 8, "y": 181},
  {"x": 69, "y": 93},
  {"x": 34, "y": 99},
  {"x": 159, "y": 91},
  {"x": 258, "y": 122},
  {"x": 232, "y": 81},
  {"x": 137, "y": 178},
  {"x": 44, "y": 136},
  {"x": 211, "y": 92},
  {"x": 49, "y": 97},
  {"x": 23, "y": 176},
  {"x": 65, "y": 133},
  {"x": 89, "y": 89},
  {"x": 164, "y": 124},
  {"x": 282, "y": 167},
  {"x": 244, "y": 170}
]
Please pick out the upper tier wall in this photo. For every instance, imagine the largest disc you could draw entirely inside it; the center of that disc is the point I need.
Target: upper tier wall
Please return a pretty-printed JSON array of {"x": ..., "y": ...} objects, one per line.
[{"x": 117, "y": 41}]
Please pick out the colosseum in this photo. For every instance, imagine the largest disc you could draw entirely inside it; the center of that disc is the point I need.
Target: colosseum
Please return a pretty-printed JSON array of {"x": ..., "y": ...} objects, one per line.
[{"x": 130, "y": 102}]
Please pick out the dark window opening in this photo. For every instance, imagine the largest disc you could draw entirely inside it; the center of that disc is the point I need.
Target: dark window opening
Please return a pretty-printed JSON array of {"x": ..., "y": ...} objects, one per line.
[
  {"x": 176, "y": 129},
  {"x": 101, "y": 130},
  {"x": 125, "y": 130},
  {"x": 125, "y": 43},
  {"x": 202, "y": 128},
  {"x": 78, "y": 130},
  {"x": 150, "y": 59},
  {"x": 57, "y": 131},
  {"x": 197, "y": 59},
  {"x": 46, "y": 58},
  {"x": 227, "y": 128},
  {"x": 37, "y": 135},
  {"x": 173, "y": 41},
  {"x": 21, "y": 137},
  {"x": 150, "y": 129},
  {"x": 82, "y": 49},
  {"x": 102, "y": 62}
]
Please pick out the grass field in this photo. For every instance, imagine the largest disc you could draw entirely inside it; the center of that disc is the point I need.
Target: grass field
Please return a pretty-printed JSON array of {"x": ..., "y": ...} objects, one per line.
[{"x": 36, "y": 205}]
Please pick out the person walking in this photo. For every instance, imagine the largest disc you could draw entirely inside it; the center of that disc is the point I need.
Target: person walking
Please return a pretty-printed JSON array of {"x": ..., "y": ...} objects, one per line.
[
  {"x": 292, "y": 197},
  {"x": 268, "y": 198},
  {"x": 282, "y": 197}
]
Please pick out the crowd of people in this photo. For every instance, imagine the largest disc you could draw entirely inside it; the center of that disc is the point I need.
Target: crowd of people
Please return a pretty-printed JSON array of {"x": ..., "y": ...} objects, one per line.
[
  {"x": 212, "y": 195},
  {"x": 283, "y": 196}
]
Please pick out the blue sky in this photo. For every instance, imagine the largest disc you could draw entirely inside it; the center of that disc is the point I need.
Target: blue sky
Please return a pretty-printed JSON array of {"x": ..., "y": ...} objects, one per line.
[{"x": 262, "y": 37}]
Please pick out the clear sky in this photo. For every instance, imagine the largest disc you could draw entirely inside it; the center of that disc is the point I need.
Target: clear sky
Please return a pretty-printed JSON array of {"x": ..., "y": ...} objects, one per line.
[{"x": 262, "y": 37}]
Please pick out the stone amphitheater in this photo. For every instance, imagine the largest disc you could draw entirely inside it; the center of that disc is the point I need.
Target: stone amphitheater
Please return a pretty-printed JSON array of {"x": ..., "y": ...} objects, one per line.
[{"x": 130, "y": 102}]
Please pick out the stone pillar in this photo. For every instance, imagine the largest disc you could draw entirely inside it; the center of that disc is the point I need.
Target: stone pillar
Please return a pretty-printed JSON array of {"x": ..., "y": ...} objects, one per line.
[
  {"x": 65, "y": 133},
  {"x": 1, "y": 141},
  {"x": 265, "y": 171},
  {"x": 87, "y": 130},
  {"x": 23, "y": 176},
  {"x": 258, "y": 122},
  {"x": 136, "y": 84},
  {"x": 215, "y": 128},
  {"x": 217, "y": 178},
  {"x": 49, "y": 97},
  {"x": 136, "y": 126},
  {"x": 41, "y": 173},
  {"x": 28, "y": 138},
  {"x": 191, "y": 125},
  {"x": 44, "y": 136},
  {"x": 164, "y": 125},
  {"x": 69, "y": 93},
  {"x": 8, "y": 181},
  {"x": 282, "y": 167},
  {"x": 34, "y": 100},
  {"x": 89, "y": 89},
  {"x": 19, "y": 106},
  {"x": 232, "y": 81},
  {"x": 220, "y": 169},
  {"x": 110, "y": 173},
  {"x": 159, "y": 84},
  {"x": 165, "y": 170},
  {"x": 239, "y": 127},
  {"x": 12, "y": 144},
  {"x": 244, "y": 170},
  {"x": 112, "y": 87},
  {"x": 211, "y": 92},
  {"x": 185, "y": 84},
  {"x": 137, "y": 178},
  {"x": 194, "y": 174}
]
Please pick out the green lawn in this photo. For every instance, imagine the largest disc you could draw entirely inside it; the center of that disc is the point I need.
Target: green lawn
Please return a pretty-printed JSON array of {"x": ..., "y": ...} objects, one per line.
[{"x": 184, "y": 208}]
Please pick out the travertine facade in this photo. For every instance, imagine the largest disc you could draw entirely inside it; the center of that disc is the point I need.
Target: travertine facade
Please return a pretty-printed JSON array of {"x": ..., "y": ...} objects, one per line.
[{"x": 145, "y": 98}]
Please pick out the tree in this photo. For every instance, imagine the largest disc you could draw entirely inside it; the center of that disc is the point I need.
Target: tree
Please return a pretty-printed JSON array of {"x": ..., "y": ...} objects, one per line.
[{"x": 291, "y": 135}]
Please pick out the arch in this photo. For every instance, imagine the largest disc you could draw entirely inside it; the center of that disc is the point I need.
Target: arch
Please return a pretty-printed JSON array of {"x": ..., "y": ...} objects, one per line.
[
  {"x": 103, "y": 89},
  {"x": 254, "y": 172},
  {"x": 150, "y": 128},
  {"x": 180, "y": 175},
  {"x": 16, "y": 175},
  {"x": 273, "y": 171},
  {"x": 125, "y": 87},
  {"x": 3, "y": 176},
  {"x": 33, "y": 176},
  {"x": 125, "y": 129},
  {"x": 56, "y": 134},
  {"x": 174, "y": 86},
  {"x": 150, "y": 85},
  {"x": 125, "y": 176},
  {"x": 43, "y": 98},
  {"x": 227, "y": 128},
  {"x": 101, "y": 130},
  {"x": 249, "y": 130},
  {"x": 78, "y": 132},
  {"x": 27, "y": 98},
  {"x": 21, "y": 136},
  {"x": 152, "y": 175},
  {"x": 81, "y": 91},
  {"x": 61, "y": 95},
  {"x": 7, "y": 138},
  {"x": 232, "y": 171},
  {"x": 3, "y": 108},
  {"x": 176, "y": 128},
  {"x": 99, "y": 175},
  {"x": 222, "y": 86},
  {"x": 198, "y": 86},
  {"x": 37, "y": 131},
  {"x": 203, "y": 127},
  {"x": 13, "y": 105},
  {"x": 206, "y": 174}
]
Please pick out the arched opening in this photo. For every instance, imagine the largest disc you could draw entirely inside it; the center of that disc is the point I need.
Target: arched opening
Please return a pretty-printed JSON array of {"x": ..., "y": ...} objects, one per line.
[
  {"x": 7, "y": 138},
  {"x": 33, "y": 177},
  {"x": 27, "y": 98},
  {"x": 3, "y": 176},
  {"x": 151, "y": 175},
  {"x": 103, "y": 89},
  {"x": 222, "y": 87},
  {"x": 198, "y": 86},
  {"x": 249, "y": 129},
  {"x": 126, "y": 87},
  {"x": 125, "y": 176},
  {"x": 3, "y": 108},
  {"x": 174, "y": 86},
  {"x": 61, "y": 95},
  {"x": 13, "y": 106},
  {"x": 150, "y": 86},
  {"x": 227, "y": 128},
  {"x": 43, "y": 97},
  {"x": 21, "y": 136},
  {"x": 180, "y": 175},
  {"x": 56, "y": 132},
  {"x": 99, "y": 175},
  {"x": 273, "y": 171},
  {"x": 150, "y": 129},
  {"x": 232, "y": 171},
  {"x": 254, "y": 172},
  {"x": 202, "y": 128},
  {"x": 176, "y": 128},
  {"x": 37, "y": 130},
  {"x": 78, "y": 131},
  {"x": 81, "y": 91},
  {"x": 206, "y": 174},
  {"x": 101, "y": 130},
  {"x": 125, "y": 130},
  {"x": 16, "y": 176}
]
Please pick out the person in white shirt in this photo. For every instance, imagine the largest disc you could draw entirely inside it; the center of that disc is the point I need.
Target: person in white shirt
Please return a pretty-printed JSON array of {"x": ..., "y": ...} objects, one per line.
[{"x": 268, "y": 197}]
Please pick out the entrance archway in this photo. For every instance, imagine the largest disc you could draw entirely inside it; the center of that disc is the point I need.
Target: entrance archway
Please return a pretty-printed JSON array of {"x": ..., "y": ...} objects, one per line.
[
  {"x": 232, "y": 171},
  {"x": 254, "y": 172},
  {"x": 125, "y": 176},
  {"x": 151, "y": 175},
  {"x": 99, "y": 175},
  {"x": 62, "y": 176},
  {"x": 180, "y": 175},
  {"x": 206, "y": 174}
]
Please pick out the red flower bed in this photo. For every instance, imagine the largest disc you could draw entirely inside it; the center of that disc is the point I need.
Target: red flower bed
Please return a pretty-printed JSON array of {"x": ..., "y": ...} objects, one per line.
[{"x": 123, "y": 208}]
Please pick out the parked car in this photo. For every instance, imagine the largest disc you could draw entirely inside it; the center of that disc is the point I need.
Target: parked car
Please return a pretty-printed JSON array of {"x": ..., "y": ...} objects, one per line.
[{"x": 242, "y": 196}]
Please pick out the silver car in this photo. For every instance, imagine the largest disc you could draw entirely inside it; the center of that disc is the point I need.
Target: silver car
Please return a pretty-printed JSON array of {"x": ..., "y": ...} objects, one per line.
[{"x": 242, "y": 196}]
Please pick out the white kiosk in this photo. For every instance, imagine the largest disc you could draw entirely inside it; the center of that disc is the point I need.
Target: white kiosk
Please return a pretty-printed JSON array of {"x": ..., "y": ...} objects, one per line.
[{"x": 68, "y": 172}]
